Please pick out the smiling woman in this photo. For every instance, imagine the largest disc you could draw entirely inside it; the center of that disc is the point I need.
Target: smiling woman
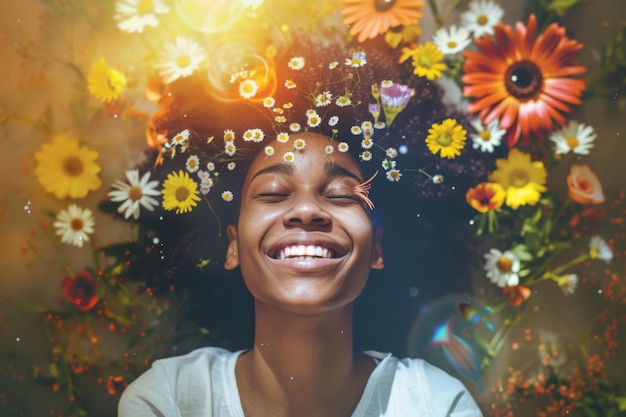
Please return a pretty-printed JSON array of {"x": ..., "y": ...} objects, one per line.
[{"x": 299, "y": 225}]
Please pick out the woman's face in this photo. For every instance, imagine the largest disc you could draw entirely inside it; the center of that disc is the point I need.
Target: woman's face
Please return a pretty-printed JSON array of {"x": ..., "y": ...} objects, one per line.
[{"x": 304, "y": 240}]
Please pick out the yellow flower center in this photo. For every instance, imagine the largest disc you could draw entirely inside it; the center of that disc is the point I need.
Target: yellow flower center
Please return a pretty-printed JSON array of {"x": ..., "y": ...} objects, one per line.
[
  {"x": 73, "y": 166},
  {"x": 135, "y": 193},
  {"x": 425, "y": 62},
  {"x": 504, "y": 264},
  {"x": 76, "y": 224},
  {"x": 572, "y": 142},
  {"x": 485, "y": 135},
  {"x": 145, "y": 6},
  {"x": 182, "y": 193},
  {"x": 444, "y": 140},
  {"x": 183, "y": 61},
  {"x": 482, "y": 20},
  {"x": 519, "y": 178},
  {"x": 451, "y": 44}
]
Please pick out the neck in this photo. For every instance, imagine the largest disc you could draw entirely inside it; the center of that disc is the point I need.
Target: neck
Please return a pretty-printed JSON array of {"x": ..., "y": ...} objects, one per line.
[{"x": 304, "y": 364}]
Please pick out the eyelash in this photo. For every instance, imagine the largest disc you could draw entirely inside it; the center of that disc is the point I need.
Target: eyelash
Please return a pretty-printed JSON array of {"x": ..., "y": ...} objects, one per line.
[{"x": 279, "y": 196}]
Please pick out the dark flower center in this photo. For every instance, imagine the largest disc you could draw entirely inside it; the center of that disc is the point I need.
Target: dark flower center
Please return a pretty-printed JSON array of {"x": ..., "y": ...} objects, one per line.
[
  {"x": 73, "y": 166},
  {"x": 523, "y": 79},
  {"x": 182, "y": 193},
  {"x": 384, "y": 5}
]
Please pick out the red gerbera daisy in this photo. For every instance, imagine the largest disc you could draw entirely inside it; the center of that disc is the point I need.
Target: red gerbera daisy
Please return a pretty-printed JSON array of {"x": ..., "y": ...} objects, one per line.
[{"x": 526, "y": 81}]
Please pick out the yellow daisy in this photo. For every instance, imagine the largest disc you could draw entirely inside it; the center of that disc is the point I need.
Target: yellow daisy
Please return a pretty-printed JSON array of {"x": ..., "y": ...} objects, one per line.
[
  {"x": 104, "y": 82},
  {"x": 66, "y": 169},
  {"x": 427, "y": 60},
  {"x": 179, "y": 192},
  {"x": 522, "y": 179},
  {"x": 447, "y": 137}
]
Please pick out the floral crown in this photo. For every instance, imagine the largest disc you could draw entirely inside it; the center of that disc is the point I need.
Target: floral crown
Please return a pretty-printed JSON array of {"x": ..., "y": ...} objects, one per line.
[{"x": 287, "y": 97}]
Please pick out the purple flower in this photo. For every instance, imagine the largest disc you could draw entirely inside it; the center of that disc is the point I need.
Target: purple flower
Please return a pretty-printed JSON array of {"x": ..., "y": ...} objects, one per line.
[{"x": 394, "y": 99}]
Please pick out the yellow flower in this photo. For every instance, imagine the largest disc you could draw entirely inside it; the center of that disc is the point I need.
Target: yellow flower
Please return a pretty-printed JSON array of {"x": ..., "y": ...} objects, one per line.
[
  {"x": 447, "y": 137},
  {"x": 522, "y": 179},
  {"x": 427, "y": 60},
  {"x": 66, "y": 169},
  {"x": 179, "y": 192},
  {"x": 104, "y": 82},
  {"x": 406, "y": 35}
]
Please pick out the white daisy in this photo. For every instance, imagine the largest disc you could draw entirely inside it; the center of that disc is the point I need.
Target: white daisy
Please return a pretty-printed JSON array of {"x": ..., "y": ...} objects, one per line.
[
  {"x": 296, "y": 63},
  {"x": 248, "y": 88},
  {"x": 230, "y": 148},
  {"x": 328, "y": 149},
  {"x": 379, "y": 125},
  {"x": 229, "y": 135},
  {"x": 367, "y": 125},
  {"x": 180, "y": 59},
  {"x": 181, "y": 137},
  {"x": 394, "y": 175},
  {"x": 227, "y": 196},
  {"x": 333, "y": 121},
  {"x": 193, "y": 163},
  {"x": 343, "y": 101},
  {"x": 290, "y": 84},
  {"x": 269, "y": 102},
  {"x": 333, "y": 65},
  {"x": 367, "y": 143},
  {"x": 568, "y": 283},
  {"x": 343, "y": 147},
  {"x": 481, "y": 17},
  {"x": 74, "y": 225},
  {"x": 487, "y": 137},
  {"x": 134, "y": 15},
  {"x": 135, "y": 193},
  {"x": 280, "y": 119},
  {"x": 391, "y": 152},
  {"x": 323, "y": 99},
  {"x": 387, "y": 164},
  {"x": 282, "y": 137},
  {"x": 365, "y": 156},
  {"x": 289, "y": 156},
  {"x": 231, "y": 166},
  {"x": 502, "y": 268},
  {"x": 357, "y": 60},
  {"x": 253, "y": 135},
  {"x": 210, "y": 166},
  {"x": 574, "y": 137},
  {"x": 299, "y": 144},
  {"x": 356, "y": 130},
  {"x": 269, "y": 150},
  {"x": 452, "y": 40},
  {"x": 599, "y": 249},
  {"x": 294, "y": 127},
  {"x": 314, "y": 121}
]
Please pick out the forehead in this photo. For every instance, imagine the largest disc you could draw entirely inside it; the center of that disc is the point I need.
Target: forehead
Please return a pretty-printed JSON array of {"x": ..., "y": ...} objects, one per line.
[{"x": 312, "y": 161}]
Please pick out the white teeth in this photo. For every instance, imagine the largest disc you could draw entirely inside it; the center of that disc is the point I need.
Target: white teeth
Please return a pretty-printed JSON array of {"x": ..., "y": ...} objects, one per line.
[{"x": 304, "y": 252}]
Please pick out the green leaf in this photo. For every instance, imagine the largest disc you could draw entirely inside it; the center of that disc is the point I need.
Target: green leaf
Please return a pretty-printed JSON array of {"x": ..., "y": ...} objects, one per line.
[
  {"x": 28, "y": 305},
  {"x": 54, "y": 370},
  {"x": 521, "y": 251},
  {"x": 621, "y": 403}
]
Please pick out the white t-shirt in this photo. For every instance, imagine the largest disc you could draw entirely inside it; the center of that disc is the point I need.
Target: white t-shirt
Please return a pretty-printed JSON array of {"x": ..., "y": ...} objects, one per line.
[{"x": 202, "y": 384}]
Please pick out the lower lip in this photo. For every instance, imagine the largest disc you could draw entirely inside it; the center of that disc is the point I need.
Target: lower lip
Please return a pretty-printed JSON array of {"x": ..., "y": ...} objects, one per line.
[{"x": 307, "y": 265}]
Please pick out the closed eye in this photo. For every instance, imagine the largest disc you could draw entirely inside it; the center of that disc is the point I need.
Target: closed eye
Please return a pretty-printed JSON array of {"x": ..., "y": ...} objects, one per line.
[
  {"x": 271, "y": 197},
  {"x": 344, "y": 198}
]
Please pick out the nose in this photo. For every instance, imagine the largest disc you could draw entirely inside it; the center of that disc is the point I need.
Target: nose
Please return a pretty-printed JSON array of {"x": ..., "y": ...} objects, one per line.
[{"x": 306, "y": 211}]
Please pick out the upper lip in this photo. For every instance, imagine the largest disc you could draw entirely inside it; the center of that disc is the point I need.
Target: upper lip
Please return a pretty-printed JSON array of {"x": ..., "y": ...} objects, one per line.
[{"x": 337, "y": 249}]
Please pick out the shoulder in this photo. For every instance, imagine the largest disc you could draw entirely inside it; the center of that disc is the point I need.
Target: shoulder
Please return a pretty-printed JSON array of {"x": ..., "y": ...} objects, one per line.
[
  {"x": 173, "y": 382},
  {"x": 418, "y": 385}
]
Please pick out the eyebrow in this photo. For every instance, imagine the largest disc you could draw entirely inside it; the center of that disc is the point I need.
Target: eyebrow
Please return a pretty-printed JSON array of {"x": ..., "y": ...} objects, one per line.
[
  {"x": 274, "y": 169},
  {"x": 334, "y": 170}
]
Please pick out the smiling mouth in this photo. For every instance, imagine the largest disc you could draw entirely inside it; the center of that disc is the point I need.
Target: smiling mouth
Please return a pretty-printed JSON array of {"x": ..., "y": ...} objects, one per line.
[{"x": 305, "y": 252}]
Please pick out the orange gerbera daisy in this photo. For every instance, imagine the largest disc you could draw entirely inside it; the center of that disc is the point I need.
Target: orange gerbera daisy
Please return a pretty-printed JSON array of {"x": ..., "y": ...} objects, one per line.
[
  {"x": 525, "y": 81},
  {"x": 370, "y": 18},
  {"x": 486, "y": 196}
]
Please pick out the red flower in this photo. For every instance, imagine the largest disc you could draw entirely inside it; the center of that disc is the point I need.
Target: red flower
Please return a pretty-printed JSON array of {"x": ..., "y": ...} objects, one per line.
[
  {"x": 116, "y": 384},
  {"x": 524, "y": 80},
  {"x": 583, "y": 185},
  {"x": 517, "y": 294},
  {"x": 80, "y": 290}
]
